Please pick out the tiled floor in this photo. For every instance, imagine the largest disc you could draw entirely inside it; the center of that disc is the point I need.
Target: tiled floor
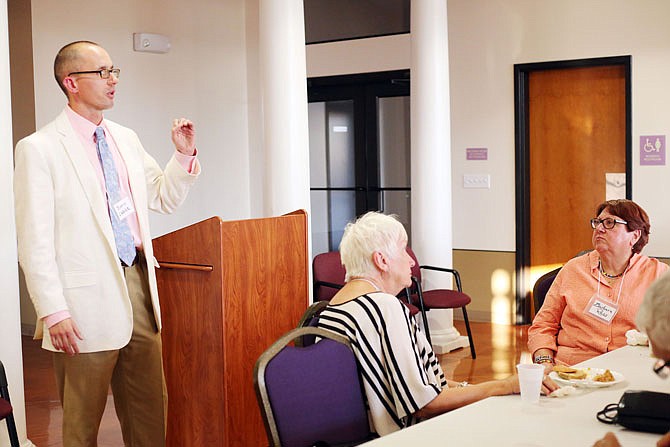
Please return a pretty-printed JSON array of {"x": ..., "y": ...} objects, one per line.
[{"x": 498, "y": 351}]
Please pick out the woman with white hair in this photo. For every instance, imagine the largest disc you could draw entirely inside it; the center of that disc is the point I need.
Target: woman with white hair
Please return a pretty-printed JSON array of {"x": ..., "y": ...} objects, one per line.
[
  {"x": 653, "y": 318},
  {"x": 402, "y": 377}
]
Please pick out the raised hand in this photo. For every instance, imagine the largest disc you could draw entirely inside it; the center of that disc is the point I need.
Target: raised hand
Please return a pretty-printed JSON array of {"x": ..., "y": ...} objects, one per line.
[{"x": 183, "y": 136}]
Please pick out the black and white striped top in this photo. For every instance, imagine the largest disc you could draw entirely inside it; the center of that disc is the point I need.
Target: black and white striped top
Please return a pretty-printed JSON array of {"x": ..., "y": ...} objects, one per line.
[{"x": 401, "y": 374}]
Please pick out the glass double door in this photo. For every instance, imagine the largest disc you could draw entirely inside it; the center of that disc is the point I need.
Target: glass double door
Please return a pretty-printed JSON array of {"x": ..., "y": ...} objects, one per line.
[{"x": 359, "y": 153}]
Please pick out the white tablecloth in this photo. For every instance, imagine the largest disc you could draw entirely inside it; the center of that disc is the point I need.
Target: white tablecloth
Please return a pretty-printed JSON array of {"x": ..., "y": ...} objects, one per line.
[{"x": 566, "y": 421}]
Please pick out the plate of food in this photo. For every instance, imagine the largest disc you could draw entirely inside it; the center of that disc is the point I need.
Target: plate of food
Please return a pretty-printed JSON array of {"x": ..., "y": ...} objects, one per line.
[{"x": 585, "y": 377}]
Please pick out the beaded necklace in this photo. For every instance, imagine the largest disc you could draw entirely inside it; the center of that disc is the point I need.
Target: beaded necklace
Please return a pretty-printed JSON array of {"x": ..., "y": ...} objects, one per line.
[{"x": 607, "y": 275}]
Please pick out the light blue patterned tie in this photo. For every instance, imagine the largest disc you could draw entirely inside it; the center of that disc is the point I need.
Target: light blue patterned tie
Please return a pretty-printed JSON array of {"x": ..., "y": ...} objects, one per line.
[{"x": 125, "y": 245}]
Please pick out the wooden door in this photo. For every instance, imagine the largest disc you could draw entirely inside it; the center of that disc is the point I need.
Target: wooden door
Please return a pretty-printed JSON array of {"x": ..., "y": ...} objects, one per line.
[
  {"x": 577, "y": 135},
  {"x": 575, "y": 128}
]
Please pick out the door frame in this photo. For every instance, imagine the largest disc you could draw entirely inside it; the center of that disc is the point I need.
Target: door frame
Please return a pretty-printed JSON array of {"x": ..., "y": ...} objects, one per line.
[{"x": 522, "y": 162}]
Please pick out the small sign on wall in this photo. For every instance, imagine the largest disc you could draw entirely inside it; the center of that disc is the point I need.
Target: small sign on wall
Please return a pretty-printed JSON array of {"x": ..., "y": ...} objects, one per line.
[
  {"x": 476, "y": 153},
  {"x": 652, "y": 150}
]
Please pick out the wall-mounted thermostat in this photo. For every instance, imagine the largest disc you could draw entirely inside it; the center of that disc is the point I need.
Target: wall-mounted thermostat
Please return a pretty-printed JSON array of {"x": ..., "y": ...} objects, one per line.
[{"x": 151, "y": 43}]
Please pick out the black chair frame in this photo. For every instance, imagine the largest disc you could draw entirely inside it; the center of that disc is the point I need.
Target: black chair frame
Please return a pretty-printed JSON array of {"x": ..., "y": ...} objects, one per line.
[
  {"x": 459, "y": 287},
  {"x": 422, "y": 307}
]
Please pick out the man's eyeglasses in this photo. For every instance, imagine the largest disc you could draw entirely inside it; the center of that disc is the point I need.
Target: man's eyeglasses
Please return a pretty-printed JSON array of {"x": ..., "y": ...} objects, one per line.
[
  {"x": 607, "y": 222},
  {"x": 662, "y": 368},
  {"x": 104, "y": 73}
]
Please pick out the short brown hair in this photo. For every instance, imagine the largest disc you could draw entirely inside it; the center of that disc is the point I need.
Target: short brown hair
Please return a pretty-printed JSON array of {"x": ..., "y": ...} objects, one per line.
[
  {"x": 632, "y": 213},
  {"x": 65, "y": 58}
]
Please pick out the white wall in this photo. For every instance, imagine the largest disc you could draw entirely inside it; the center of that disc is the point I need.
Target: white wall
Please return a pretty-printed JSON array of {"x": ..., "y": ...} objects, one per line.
[
  {"x": 486, "y": 39},
  {"x": 203, "y": 77}
]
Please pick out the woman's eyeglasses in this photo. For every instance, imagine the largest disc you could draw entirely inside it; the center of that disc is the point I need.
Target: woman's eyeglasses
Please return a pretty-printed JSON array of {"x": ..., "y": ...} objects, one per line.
[
  {"x": 607, "y": 222},
  {"x": 662, "y": 368}
]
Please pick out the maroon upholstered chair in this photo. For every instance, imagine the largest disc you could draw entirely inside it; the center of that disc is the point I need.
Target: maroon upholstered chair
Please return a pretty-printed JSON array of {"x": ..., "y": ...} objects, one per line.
[
  {"x": 441, "y": 298},
  {"x": 6, "y": 411},
  {"x": 311, "y": 395},
  {"x": 329, "y": 274}
]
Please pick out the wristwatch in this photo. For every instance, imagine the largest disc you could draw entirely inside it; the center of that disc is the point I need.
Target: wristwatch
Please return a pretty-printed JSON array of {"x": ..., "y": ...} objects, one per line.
[{"x": 543, "y": 359}]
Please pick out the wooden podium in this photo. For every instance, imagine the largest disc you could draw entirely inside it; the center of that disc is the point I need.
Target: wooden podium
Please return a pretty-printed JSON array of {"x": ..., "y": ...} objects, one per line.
[{"x": 228, "y": 290}]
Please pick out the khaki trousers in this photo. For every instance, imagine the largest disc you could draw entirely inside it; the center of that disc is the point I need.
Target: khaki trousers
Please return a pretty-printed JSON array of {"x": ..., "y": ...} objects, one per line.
[{"x": 135, "y": 373}]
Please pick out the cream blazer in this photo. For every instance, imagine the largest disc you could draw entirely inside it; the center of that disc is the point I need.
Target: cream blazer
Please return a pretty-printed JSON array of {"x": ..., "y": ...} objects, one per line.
[{"x": 65, "y": 241}]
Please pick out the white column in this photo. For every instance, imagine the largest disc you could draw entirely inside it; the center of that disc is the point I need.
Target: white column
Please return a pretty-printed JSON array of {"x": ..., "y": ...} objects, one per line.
[
  {"x": 431, "y": 158},
  {"x": 284, "y": 104},
  {"x": 10, "y": 316}
]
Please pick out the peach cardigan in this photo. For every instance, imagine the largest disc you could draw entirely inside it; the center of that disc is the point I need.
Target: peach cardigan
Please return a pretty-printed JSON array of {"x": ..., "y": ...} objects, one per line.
[{"x": 562, "y": 324}]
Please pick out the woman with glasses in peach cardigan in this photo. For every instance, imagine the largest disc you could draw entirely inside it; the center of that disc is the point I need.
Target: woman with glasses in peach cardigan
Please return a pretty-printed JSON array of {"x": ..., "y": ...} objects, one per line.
[{"x": 594, "y": 298}]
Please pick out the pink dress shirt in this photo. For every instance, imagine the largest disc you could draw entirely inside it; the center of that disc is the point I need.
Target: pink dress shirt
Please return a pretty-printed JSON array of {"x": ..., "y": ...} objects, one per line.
[
  {"x": 85, "y": 129},
  {"x": 562, "y": 324}
]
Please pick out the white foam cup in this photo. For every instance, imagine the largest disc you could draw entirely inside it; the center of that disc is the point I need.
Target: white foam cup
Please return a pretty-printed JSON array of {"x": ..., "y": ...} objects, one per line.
[{"x": 530, "y": 381}]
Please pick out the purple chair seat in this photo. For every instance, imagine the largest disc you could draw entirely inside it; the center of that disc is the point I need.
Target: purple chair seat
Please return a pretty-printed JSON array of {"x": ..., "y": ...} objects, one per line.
[{"x": 311, "y": 394}]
